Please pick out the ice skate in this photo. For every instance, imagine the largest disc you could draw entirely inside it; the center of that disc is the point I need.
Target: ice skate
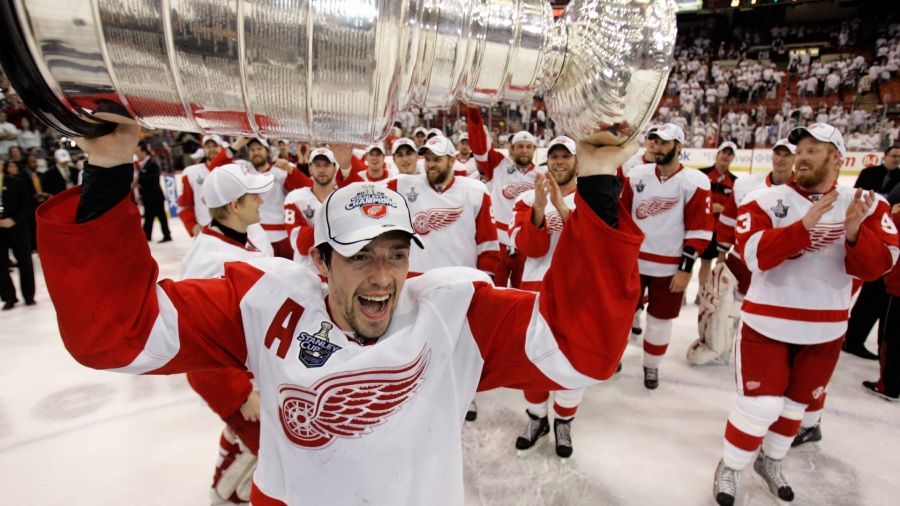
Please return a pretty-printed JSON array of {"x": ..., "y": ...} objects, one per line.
[
  {"x": 651, "y": 378},
  {"x": 807, "y": 435},
  {"x": 725, "y": 485},
  {"x": 537, "y": 428},
  {"x": 562, "y": 430},
  {"x": 769, "y": 469}
]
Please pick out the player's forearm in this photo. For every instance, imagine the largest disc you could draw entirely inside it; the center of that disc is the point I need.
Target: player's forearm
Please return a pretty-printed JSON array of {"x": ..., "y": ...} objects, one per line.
[
  {"x": 102, "y": 189},
  {"x": 869, "y": 258}
]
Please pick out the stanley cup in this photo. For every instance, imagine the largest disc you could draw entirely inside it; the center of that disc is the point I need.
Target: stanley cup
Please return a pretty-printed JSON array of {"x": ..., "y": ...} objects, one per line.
[{"x": 333, "y": 70}]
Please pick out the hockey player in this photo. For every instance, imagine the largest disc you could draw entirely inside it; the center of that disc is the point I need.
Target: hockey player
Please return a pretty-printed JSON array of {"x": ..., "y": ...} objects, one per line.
[
  {"x": 538, "y": 223},
  {"x": 720, "y": 300},
  {"x": 287, "y": 178},
  {"x": 233, "y": 197},
  {"x": 464, "y": 154},
  {"x": 452, "y": 216},
  {"x": 302, "y": 204},
  {"x": 641, "y": 158},
  {"x": 508, "y": 177},
  {"x": 671, "y": 204},
  {"x": 193, "y": 212},
  {"x": 375, "y": 170},
  {"x": 804, "y": 242},
  {"x": 361, "y": 381},
  {"x": 721, "y": 185},
  {"x": 405, "y": 156}
]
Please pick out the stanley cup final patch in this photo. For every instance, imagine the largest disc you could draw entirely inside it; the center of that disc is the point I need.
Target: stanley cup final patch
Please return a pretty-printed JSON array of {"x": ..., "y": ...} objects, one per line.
[{"x": 315, "y": 349}]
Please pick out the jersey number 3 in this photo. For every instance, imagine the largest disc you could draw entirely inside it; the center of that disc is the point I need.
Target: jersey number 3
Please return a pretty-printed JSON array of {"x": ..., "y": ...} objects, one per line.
[{"x": 743, "y": 224}]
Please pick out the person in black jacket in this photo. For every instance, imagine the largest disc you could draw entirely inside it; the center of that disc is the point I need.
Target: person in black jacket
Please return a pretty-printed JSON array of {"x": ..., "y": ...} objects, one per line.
[
  {"x": 871, "y": 304},
  {"x": 151, "y": 193},
  {"x": 15, "y": 208},
  {"x": 61, "y": 175}
]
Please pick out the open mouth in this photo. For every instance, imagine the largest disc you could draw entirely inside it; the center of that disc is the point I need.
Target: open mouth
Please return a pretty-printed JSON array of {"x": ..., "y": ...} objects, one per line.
[{"x": 374, "y": 306}]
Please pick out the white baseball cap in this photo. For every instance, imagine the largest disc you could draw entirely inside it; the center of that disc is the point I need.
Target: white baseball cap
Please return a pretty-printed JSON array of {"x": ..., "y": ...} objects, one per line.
[
  {"x": 822, "y": 132},
  {"x": 61, "y": 155},
  {"x": 439, "y": 145},
  {"x": 376, "y": 145},
  {"x": 403, "y": 141},
  {"x": 260, "y": 140},
  {"x": 420, "y": 130},
  {"x": 215, "y": 138},
  {"x": 354, "y": 215},
  {"x": 787, "y": 145},
  {"x": 434, "y": 131},
  {"x": 562, "y": 140},
  {"x": 232, "y": 181},
  {"x": 197, "y": 155},
  {"x": 729, "y": 145},
  {"x": 669, "y": 132},
  {"x": 327, "y": 153},
  {"x": 522, "y": 136},
  {"x": 464, "y": 137}
]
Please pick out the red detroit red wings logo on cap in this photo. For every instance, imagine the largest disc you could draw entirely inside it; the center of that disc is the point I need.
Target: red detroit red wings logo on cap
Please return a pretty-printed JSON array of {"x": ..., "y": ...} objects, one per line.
[
  {"x": 513, "y": 190},
  {"x": 431, "y": 220},
  {"x": 348, "y": 404},
  {"x": 374, "y": 210},
  {"x": 655, "y": 206}
]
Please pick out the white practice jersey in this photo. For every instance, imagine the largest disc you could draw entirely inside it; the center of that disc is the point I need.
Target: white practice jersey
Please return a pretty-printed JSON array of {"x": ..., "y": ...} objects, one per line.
[
  {"x": 802, "y": 279},
  {"x": 537, "y": 244},
  {"x": 636, "y": 160},
  {"x": 455, "y": 225},
  {"x": 271, "y": 212},
  {"x": 673, "y": 214}
]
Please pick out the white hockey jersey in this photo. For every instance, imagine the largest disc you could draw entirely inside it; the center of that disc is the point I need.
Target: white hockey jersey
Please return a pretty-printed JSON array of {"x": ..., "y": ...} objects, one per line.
[
  {"x": 211, "y": 249},
  {"x": 636, "y": 160},
  {"x": 455, "y": 225},
  {"x": 271, "y": 212},
  {"x": 673, "y": 214},
  {"x": 802, "y": 279},
  {"x": 537, "y": 244},
  {"x": 343, "y": 423},
  {"x": 300, "y": 208},
  {"x": 743, "y": 186},
  {"x": 507, "y": 181}
]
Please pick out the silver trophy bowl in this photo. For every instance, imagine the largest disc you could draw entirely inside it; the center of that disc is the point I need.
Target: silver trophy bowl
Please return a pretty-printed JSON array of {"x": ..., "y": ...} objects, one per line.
[{"x": 333, "y": 70}]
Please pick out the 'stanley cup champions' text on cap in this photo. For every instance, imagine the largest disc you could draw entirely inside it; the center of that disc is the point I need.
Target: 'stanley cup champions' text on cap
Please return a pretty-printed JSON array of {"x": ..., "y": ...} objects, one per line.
[{"x": 356, "y": 214}]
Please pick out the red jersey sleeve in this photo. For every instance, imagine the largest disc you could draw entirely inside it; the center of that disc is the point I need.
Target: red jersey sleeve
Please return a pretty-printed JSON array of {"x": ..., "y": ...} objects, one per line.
[
  {"x": 224, "y": 390},
  {"x": 139, "y": 326},
  {"x": 875, "y": 251},
  {"x": 762, "y": 246},
  {"x": 529, "y": 239},
  {"x": 698, "y": 220},
  {"x": 486, "y": 157},
  {"x": 725, "y": 225},
  {"x": 487, "y": 246},
  {"x": 342, "y": 181},
  {"x": 186, "y": 206},
  {"x": 574, "y": 332},
  {"x": 223, "y": 157},
  {"x": 296, "y": 179}
]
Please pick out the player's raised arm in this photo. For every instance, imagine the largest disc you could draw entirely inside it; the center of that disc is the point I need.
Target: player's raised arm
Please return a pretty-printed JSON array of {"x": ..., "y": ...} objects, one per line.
[{"x": 486, "y": 156}]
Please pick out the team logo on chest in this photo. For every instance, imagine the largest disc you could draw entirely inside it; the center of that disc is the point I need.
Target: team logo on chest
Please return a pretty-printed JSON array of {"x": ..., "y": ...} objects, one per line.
[
  {"x": 655, "y": 206},
  {"x": 513, "y": 190},
  {"x": 639, "y": 187},
  {"x": 411, "y": 195},
  {"x": 780, "y": 210},
  {"x": 823, "y": 235},
  {"x": 348, "y": 404},
  {"x": 315, "y": 349},
  {"x": 554, "y": 222},
  {"x": 309, "y": 212},
  {"x": 436, "y": 219}
]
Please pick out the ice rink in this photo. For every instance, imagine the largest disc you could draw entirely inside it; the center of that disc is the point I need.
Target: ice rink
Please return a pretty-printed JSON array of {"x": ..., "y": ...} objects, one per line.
[{"x": 74, "y": 436}]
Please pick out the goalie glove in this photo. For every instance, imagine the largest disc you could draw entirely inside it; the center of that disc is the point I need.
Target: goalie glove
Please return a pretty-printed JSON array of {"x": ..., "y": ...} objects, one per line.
[{"x": 234, "y": 469}]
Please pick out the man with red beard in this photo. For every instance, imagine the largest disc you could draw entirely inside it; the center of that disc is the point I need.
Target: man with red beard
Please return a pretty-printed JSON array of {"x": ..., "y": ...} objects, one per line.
[
  {"x": 287, "y": 178},
  {"x": 804, "y": 242},
  {"x": 671, "y": 204},
  {"x": 538, "y": 223},
  {"x": 507, "y": 177},
  {"x": 302, "y": 204}
]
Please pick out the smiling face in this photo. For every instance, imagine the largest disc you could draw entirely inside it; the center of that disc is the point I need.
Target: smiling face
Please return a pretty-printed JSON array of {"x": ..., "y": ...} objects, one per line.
[
  {"x": 817, "y": 164},
  {"x": 246, "y": 209},
  {"x": 322, "y": 171},
  {"x": 406, "y": 159},
  {"x": 438, "y": 169},
  {"x": 375, "y": 161},
  {"x": 363, "y": 288},
  {"x": 258, "y": 154},
  {"x": 522, "y": 153},
  {"x": 782, "y": 164},
  {"x": 562, "y": 165}
]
